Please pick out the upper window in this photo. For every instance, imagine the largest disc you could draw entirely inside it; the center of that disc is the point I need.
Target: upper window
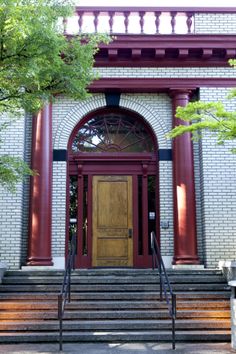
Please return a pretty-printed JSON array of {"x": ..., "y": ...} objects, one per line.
[{"x": 112, "y": 132}]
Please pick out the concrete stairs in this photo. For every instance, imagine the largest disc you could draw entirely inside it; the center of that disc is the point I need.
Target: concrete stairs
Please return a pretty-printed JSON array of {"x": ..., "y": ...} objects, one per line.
[{"x": 114, "y": 305}]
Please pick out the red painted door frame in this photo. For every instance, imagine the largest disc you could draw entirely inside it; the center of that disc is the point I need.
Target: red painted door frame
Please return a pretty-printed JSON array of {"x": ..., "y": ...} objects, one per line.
[{"x": 143, "y": 164}]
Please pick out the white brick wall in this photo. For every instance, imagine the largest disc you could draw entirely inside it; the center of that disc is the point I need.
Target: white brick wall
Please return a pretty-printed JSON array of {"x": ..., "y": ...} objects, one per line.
[
  {"x": 215, "y": 23},
  {"x": 218, "y": 180},
  {"x": 58, "y": 208},
  {"x": 11, "y": 211},
  {"x": 167, "y": 72}
]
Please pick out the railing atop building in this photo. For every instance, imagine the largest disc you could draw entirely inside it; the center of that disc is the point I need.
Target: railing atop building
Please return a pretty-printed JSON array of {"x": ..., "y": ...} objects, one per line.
[{"x": 136, "y": 20}]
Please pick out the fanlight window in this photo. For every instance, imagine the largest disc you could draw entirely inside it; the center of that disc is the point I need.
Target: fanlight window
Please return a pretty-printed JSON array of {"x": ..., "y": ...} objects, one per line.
[{"x": 113, "y": 133}]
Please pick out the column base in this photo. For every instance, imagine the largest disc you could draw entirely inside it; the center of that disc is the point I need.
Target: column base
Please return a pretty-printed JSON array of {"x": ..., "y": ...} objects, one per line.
[
  {"x": 39, "y": 261},
  {"x": 185, "y": 260}
]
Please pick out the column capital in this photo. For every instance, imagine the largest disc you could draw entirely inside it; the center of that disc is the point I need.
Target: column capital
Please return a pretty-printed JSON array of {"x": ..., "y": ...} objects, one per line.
[{"x": 180, "y": 92}]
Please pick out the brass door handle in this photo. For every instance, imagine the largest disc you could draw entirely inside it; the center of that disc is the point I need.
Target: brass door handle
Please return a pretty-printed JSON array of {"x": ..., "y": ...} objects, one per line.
[{"x": 130, "y": 233}]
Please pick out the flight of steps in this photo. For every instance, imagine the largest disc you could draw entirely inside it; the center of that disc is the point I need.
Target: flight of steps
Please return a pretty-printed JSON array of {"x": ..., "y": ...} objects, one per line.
[{"x": 114, "y": 305}]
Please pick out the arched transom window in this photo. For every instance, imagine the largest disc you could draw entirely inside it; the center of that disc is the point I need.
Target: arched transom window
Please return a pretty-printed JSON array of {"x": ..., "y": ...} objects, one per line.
[{"x": 113, "y": 132}]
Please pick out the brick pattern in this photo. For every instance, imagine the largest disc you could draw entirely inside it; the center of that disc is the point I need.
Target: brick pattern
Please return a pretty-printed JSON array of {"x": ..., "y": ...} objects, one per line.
[
  {"x": 26, "y": 190},
  {"x": 218, "y": 180},
  {"x": 215, "y": 23},
  {"x": 11, "y": 204},
  {"x": 68, "y": 113},
  {"x": 167, "y": 72},
  {"x": 197, "y": 181},
  {"x": 59, "y": 208},
  {"x": 166, "y": 207}
]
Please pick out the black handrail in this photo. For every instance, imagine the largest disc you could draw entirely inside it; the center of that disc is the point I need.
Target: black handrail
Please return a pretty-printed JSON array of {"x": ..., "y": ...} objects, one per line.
[
  {"x": 157, "y": 262},
  {"x": 65, "y": 293}
]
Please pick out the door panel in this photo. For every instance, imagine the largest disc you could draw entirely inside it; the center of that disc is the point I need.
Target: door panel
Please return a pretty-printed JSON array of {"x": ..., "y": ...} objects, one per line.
[{"x": 112, "y": 221}]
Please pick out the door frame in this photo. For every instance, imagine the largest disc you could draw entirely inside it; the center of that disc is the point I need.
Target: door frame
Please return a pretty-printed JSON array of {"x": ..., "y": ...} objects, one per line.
[{"x": 144, "y": 164}]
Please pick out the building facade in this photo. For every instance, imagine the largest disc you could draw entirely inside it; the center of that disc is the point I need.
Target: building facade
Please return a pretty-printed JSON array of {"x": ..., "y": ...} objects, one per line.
[{"x": 106, "y": 167}]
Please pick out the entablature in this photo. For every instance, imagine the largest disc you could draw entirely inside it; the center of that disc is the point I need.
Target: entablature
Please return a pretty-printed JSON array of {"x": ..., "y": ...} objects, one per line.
[{"x": 167, "y": 50}]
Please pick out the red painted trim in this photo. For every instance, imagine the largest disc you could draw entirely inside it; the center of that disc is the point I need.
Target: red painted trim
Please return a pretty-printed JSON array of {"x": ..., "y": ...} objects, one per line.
[
  {"x": 145, "y": 85},
  {"x": 112, "y": 168},
  {"x": 172, "y": 41},
  {"x": 115, "y": 156},
  {"x": 80, "y": 213},
  {"x": 145, "y": 217},
  {"x": 167, "y": 50},
  {"x": 136, "y": 263},
  {"x": 113, "y": 164},
  {"x": 90, "y": 221},
  {"x": 102, "y": 9},
  {"x": 163, "y": 63},
  {"x": 67, "y": 209}
]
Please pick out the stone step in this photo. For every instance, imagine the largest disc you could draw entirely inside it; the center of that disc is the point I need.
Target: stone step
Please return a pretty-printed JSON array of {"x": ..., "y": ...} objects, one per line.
[
  {"x": 116, "y": 336},
  {"x": 185, "y": 324},
  {"x": 114, "y": 287},
  {"x": 110, "y": 272},
  {"x": 112, "y": 314},
  {"x": 113, "y": 280},
  {"x": 132, "y": 296},
  {"x": 114, "y": 305}
]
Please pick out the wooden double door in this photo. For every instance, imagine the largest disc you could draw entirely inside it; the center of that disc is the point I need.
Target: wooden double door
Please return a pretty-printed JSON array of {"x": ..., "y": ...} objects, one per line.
[{"x": 112, "y": 221}]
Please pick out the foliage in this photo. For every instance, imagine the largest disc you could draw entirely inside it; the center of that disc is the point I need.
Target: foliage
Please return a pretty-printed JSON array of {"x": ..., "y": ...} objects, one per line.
[
  {"x": 38, "y": 62},
  {"x": 11, "y": 171},
  {"x": 211, "y": 116}
]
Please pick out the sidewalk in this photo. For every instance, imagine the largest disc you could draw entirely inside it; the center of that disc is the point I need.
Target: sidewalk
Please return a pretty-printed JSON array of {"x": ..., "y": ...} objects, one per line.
[{"x": 118, "y": 348}]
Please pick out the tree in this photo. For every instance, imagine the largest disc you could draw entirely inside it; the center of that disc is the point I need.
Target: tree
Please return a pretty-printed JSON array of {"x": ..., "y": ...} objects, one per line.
[
  {"x": 38, "y": 62},
  {"x": 211, "y": 116}
]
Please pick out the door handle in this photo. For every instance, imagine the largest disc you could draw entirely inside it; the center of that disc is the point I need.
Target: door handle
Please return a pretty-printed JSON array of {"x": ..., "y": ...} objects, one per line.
[{"x": 130, "y": 233}]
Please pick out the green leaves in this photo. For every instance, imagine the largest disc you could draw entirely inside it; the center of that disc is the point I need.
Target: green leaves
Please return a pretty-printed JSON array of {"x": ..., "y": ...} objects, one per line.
[
  {"x": 36, "y": 60},
  {"x": 211, "y": 116},
  {"x": 12, "y": 170}
]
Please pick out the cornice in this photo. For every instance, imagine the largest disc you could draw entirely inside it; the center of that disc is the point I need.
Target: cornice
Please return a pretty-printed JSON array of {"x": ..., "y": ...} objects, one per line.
[
  {"x": 149, "y": 85},
  {"x": 167, "y": 50}
]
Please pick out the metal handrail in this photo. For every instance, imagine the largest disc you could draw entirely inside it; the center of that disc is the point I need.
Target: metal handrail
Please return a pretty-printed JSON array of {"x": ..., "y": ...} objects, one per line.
[
  {"x": 65, "y": 293},
  {"x": 170, "y": 297}
]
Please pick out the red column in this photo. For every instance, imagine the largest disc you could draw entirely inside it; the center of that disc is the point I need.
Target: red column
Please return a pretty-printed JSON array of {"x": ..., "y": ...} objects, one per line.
[
  {"x": 39, "y": 251},
  {"x": 185, "y": 238}
]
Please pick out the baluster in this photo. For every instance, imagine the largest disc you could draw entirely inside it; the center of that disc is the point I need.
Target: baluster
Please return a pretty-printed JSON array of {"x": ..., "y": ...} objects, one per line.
[
  {"x": 173, "y": 21},
  {"x": 157, "y": 20},
  {"x": 126, "y": 20},
  {"x": 111, "y": 22},
  {"x": 141, "y": 20},
  {"x": 80, "y": 20},
  {"x": 189, "y": 21},
  {"x": 65, "y": 21},
  {"x": 95, "y": 21}
]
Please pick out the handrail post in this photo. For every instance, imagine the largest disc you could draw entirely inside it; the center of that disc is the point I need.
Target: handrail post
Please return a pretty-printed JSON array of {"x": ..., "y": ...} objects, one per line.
[
  {"x": 164, "y": 283},
  {"x": 69, "y": 281},
  {"x": 60, "y": 320},
  {"x": 65, "y": 294},
  {"x": 173, "y": 319}
]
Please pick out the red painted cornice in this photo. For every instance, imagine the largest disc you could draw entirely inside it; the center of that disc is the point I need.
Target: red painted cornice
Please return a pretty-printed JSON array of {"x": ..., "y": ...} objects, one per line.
[
  {"x": 167, "y": 50},
  {"x": 144, "y": 85},
  {"x": 156, "y": 9}
]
